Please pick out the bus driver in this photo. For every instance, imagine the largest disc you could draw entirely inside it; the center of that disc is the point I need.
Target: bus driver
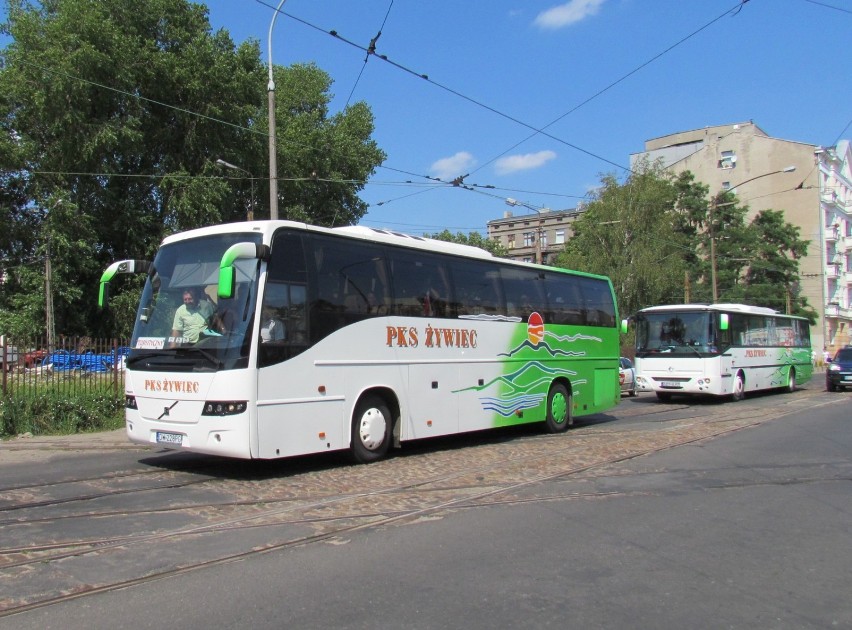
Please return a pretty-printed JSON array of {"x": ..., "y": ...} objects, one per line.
[{"x": 191, "y": 318}]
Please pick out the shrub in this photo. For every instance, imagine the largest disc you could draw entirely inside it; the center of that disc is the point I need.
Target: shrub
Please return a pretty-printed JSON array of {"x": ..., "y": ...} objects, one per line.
[{"x": 46, "y": 412}]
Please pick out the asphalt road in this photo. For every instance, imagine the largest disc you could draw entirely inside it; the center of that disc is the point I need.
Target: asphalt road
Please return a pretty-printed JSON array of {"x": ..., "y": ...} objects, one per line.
[{"x": 698, "y": 515}]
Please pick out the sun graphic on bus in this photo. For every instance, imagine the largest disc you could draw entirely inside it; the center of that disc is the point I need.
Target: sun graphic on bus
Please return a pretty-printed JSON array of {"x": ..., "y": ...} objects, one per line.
[{"x": 535, "y": 328}]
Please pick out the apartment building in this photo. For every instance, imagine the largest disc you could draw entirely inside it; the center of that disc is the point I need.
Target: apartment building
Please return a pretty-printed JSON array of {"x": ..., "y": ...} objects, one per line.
[
  {"x": 535, "y": 237},
  {"x": 810, "y": 183}
]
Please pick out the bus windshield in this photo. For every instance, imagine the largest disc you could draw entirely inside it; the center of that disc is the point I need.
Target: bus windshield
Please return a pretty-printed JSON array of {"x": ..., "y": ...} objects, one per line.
[
  {"x": 676, "y": 332},
  {"x": 181, "y": 325}
]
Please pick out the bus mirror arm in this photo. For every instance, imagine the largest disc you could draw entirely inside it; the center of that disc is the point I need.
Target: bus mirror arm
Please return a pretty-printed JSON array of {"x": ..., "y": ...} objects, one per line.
[
  {"x": 227, "y": 272},
  {"x": 122, "y": 266}
]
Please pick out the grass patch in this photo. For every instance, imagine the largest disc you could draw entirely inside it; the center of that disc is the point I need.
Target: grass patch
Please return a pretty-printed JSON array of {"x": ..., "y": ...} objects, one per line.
[{"x": 44, "y": 411}]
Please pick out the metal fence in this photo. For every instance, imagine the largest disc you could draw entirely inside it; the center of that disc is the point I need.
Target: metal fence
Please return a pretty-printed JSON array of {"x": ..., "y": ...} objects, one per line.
[{"x": 72, "y": 365}]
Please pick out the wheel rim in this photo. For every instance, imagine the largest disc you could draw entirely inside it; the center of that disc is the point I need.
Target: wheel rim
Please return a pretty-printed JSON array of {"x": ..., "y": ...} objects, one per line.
[
  {"x": 559, "y": 408},
  {"x": 371, "y": 429}
]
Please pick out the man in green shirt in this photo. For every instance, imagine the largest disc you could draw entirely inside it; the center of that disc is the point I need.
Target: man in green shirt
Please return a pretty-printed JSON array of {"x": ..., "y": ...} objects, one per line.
[{"x": 191, "y": 318}]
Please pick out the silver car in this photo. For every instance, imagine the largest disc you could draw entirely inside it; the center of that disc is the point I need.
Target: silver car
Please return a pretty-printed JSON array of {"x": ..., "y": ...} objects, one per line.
[{"x": 627, "y": 376}]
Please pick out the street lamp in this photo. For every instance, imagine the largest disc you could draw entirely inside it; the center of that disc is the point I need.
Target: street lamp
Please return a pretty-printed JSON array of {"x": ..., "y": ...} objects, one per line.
[
  {"x": 233, "y": 167},
  {"x": 713, "y": 206},
  {"x": 273, "y": 160},
  {"x": 515, "y": 203}
]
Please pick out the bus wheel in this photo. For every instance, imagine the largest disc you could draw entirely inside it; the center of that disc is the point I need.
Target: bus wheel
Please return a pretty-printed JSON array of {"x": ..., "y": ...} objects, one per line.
[
  {"x": 558, "y": 409},
  {"x": 371, "y": 430},
  {"x": 739, "y": 388},
  {"x": 791, "y": 381}
]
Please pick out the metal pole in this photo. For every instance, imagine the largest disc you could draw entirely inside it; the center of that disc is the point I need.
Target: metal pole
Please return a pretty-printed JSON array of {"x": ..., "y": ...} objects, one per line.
[{"x": 273, "y": 159}]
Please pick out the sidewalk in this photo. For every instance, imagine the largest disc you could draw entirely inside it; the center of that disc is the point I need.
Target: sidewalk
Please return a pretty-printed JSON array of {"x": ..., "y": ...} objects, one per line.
[{"x": 112, "y": 440}]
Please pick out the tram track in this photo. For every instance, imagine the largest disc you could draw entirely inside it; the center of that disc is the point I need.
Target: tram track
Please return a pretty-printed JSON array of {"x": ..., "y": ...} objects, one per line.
[{"x": 293, "y": 522}]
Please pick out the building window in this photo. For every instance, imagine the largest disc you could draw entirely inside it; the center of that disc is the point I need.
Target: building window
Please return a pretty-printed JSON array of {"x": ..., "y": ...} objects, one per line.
[
  {"x": 529, "y": 239},
  {"x": 560, "y": 237},
  {"x": 543, "y": 238},
  {"x": 728, "y": 159},
  {"x": 511, "y": 240}
]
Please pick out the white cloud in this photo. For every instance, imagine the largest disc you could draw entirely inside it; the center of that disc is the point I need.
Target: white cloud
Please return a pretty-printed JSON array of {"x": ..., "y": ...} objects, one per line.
[
  {"x": 568, "y": 13},
  {"x": 451, "y": 167},
  {"x": 513, "y": 163}
]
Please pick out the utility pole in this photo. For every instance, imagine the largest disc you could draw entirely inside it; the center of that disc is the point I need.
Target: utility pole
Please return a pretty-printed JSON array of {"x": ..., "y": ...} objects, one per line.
[{"x": 50, "y": 325}]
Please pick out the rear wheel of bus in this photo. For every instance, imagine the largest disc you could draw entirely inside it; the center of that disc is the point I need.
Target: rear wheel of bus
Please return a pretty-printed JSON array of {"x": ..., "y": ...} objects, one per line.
[
  {"x": 371, "y": 429},
  {"x": 559, "y": 403}
]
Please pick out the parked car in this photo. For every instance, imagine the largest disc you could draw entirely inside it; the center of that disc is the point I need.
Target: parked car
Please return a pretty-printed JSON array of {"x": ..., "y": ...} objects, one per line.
[
  {"x": 627, "y": 376},
  {"x": 33, "y": 358},
  {"x": 838, "y": 373}
]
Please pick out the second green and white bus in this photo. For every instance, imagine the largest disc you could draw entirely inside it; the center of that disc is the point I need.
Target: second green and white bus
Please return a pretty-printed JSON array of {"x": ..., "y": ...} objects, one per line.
[
  {"x": 719, "y": 350},
  {"x": 381, "y": 338}
]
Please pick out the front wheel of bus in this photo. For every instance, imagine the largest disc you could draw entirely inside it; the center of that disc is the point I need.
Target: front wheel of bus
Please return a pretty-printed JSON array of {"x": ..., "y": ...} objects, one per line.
[
  {"x": 739, "y": 387},
  {"x": 558, "y": 409},
  {"x": 371, "y": 430}
]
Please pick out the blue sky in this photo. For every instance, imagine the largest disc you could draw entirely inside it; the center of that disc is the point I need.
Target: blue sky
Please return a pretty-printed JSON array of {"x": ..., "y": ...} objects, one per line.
[{"x": 600, "y": 77}]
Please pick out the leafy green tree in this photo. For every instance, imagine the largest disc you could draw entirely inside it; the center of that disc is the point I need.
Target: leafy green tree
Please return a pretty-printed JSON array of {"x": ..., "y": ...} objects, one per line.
[
  {"x": 475, "y": 239},
  {"x": 726, "y": 224},
  {"x": 772, "y": 278},
  {"x": 121, "y": 111},
  {"x": 640, "y": 233}
]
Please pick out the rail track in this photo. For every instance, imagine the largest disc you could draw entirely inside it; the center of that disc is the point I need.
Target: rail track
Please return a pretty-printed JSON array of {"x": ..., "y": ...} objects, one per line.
[{"x": 78, "y": 537}]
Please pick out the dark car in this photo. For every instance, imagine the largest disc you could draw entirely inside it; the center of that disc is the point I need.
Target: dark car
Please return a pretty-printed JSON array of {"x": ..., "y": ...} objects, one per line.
[{"x": 838, "y": 373}]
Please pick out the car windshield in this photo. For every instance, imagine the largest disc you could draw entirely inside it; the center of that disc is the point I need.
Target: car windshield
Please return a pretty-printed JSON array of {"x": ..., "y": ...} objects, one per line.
[
  {"x": 844, "y": 356},
  {"x": 675, "y": 332},
  {"x": 181, "y": 325}
]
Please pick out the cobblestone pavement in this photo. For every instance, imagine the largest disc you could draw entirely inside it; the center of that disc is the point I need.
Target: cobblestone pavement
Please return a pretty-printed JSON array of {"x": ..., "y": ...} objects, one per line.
[{"x": 100, "y": 526}]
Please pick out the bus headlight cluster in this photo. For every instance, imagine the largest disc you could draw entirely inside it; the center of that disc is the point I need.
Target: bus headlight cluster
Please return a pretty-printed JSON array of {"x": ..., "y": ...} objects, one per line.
[
  {"x": 130, "y": 402},
  {"x": 703, "y": 381},
  {"x": 224, "y": 408}
]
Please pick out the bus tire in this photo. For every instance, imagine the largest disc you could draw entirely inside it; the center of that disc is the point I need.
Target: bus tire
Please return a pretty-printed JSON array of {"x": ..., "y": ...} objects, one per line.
[
  {"x": 791, "y": 381},
  {"x": 371, "y": 430},
  {"x": 738, "y": 392},
  {"x": 559, "y": 416}
]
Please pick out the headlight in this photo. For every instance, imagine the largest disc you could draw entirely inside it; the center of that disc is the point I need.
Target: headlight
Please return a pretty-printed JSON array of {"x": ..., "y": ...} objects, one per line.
[
  {"x": 834, "y": 367},
  {"x": 224, "y": 408}
]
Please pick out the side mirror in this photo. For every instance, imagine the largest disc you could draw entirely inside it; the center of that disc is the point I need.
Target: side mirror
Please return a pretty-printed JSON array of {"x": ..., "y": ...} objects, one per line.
[
  {"x": 624, "y": 323},
  {"x": 122, "y": 266},
  {"x": 724, "y": 321},
  {"x": 227, "y": 271}
]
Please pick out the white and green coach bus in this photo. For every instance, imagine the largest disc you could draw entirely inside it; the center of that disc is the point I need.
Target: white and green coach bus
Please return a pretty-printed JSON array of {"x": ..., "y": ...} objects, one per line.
[
  {"x": 719, "y": 349},
  {"x": 377, "y": 338}
]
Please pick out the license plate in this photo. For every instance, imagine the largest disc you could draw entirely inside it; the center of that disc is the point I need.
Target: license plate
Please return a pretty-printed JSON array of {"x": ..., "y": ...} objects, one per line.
[
  {"x": 169, "y": 438},
  {"x": 669, "y": 384}
]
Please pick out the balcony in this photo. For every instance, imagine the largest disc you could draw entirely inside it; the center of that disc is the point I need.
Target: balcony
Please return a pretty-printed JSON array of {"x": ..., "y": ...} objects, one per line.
[
  {"x": 828, "y": 196},
  {"x": 832, "y": 233},
  {"x": 832, "y": 271},
  {"x": 834, "y": 310}
]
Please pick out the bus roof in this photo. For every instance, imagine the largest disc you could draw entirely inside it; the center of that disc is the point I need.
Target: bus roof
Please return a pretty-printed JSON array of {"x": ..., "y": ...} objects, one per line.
[
  {"x": 727, "y": 308},
  {"x": 267, "y": 229}
]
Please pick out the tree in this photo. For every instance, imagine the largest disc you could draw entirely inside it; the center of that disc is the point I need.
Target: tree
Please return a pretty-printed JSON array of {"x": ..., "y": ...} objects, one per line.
[
  {"x": 121, "y": 111},
  {"x": 641, "y": 234},
  {"x": 772, "y": 278},
  {"x": 474, "y": 239}
]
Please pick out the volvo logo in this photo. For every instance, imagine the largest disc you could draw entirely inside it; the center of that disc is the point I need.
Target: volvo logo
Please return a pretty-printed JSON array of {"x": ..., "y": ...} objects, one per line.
[{"x": 167, "y": 409}]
